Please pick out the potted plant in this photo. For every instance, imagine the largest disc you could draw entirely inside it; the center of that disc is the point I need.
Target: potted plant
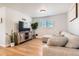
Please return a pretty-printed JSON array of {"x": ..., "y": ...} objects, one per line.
[
  {"x": 34, "y": 27},
  {"x": 16, "y": 38},
  {"x": 12, "y": 40}
]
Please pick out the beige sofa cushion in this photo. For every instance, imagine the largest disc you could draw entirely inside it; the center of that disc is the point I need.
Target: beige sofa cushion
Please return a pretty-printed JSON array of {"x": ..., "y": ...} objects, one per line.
[
  {"x": 73, "y": 40},
  {"x": 59, "y": 51},
  {"x": 73, "y": 43},
  {"x": 57, "y": 41},
  {"x": 68, "y": 35}
]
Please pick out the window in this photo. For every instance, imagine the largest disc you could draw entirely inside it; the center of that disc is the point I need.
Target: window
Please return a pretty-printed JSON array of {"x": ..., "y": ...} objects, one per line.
[{"x": 45, "y": 23}]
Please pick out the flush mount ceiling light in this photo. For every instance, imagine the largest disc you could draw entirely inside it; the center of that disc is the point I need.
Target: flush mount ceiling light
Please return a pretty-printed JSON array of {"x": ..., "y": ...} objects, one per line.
[{"x": 42, "y": 10}]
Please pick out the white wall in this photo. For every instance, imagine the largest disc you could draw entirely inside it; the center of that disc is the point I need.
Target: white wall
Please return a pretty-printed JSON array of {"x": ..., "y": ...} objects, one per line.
[
  {"x": 60, "y": 24},
  {"x": 10, "y": 19},
  {"x": 73, "y": 26},
  {"x": 2, "y": 26}
]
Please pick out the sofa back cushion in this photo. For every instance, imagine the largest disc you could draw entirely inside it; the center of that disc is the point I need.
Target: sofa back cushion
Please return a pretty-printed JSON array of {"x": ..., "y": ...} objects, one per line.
[
  {"x": 73, "y": 40},
  {"x": 57, "y": 41},
  {"x": 73, "y": 43},
  {"x": 68, "y": 35}
]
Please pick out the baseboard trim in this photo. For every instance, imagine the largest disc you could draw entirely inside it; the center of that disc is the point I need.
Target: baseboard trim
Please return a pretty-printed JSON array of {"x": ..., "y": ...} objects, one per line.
[{"x": 2, "y": 45}]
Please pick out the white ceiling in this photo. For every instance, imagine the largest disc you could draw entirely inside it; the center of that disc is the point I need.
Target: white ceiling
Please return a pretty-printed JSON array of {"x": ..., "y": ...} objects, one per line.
[{"x": 33, "y": 9}]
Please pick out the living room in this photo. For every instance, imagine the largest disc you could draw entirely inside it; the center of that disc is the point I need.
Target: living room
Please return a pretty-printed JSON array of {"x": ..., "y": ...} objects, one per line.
[{"x": 52, "y": 19}]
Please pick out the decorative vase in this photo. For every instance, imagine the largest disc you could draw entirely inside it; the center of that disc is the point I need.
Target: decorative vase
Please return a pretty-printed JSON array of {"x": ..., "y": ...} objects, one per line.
[
  {"x": 12, "y": 44},
  {"x": 34, "y": 34}
]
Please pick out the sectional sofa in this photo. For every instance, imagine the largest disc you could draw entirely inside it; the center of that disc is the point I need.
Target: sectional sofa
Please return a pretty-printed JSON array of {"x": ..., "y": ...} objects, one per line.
[{"x": 66, "y": 44}]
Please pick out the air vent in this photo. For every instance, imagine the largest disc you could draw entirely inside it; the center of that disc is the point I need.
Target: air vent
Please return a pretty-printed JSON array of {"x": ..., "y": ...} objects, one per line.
[{"x": 23, "y": 19}]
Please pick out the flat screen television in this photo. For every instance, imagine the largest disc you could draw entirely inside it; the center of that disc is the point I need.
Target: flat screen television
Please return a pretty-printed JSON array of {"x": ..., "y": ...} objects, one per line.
[{"x": 23, "y": 26}]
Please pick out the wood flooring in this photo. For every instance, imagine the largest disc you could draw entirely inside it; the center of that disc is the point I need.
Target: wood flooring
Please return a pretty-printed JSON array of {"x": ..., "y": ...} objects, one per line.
[{"x": 29, "y": 48}]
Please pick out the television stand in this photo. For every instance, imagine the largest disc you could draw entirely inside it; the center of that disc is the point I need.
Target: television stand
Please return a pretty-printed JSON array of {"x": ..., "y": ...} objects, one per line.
[{"x": 24, "y": 36}]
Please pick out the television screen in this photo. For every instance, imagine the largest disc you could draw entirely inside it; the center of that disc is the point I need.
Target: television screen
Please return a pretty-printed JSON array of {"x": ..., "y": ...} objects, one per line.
[{"x": 23, "y": 26}]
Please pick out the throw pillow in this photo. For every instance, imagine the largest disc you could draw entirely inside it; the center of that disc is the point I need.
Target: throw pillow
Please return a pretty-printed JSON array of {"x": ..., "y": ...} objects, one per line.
[{"x": 57, "y": 41}]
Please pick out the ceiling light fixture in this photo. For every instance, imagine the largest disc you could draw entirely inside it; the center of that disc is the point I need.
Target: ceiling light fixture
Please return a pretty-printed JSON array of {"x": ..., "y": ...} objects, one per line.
[{"x": 42, "y": 10}]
